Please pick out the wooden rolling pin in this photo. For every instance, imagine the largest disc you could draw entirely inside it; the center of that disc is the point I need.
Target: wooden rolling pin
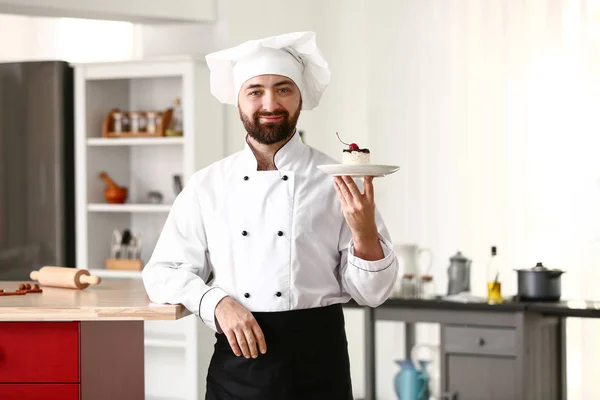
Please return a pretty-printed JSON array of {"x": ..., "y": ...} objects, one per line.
[{"x": 62, "y": 277}]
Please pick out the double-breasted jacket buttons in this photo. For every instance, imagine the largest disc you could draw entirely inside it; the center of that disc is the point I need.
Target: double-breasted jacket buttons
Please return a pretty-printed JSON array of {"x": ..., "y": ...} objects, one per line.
[{"x": 279, "y": 233}]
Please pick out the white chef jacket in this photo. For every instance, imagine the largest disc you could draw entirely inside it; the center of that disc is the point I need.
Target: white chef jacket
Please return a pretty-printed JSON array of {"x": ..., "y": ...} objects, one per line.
[{"x": 273, "y": 240}]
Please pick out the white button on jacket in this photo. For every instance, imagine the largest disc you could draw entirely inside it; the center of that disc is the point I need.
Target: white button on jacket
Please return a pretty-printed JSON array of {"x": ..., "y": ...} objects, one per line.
[{"x": 273, "y": 240}]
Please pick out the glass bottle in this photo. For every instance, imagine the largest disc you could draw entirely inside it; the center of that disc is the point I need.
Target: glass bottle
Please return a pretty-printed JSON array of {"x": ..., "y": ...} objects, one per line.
[
  {"x": 175, "y": 128},
  {"x": 494, "y": 284}
]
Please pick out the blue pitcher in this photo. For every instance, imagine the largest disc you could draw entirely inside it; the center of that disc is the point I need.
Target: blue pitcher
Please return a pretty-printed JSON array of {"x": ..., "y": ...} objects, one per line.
[{"x": 410, "y": 384}]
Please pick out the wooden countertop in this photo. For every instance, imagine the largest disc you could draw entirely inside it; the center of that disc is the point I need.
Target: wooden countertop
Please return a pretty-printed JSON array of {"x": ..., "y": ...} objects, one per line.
[{"x": 112, "y": 299}]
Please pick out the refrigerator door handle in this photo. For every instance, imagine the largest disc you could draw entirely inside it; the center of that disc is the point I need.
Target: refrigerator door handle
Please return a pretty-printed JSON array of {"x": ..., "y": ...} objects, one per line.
[{"x": 43, "y": 183}]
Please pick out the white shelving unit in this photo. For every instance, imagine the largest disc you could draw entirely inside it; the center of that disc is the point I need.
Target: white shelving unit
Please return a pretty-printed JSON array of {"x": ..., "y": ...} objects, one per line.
[{"x": 177, "y": 352}]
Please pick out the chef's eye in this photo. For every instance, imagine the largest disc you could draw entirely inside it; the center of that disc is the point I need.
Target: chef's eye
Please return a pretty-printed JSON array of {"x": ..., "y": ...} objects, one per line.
[
  {"x": 254, "y": 93},
  {"x": 284, "y": 90}
]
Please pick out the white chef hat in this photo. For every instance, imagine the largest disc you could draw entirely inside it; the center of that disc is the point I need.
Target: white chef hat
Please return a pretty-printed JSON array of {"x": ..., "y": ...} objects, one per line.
[{"x": 294, "y": 55}]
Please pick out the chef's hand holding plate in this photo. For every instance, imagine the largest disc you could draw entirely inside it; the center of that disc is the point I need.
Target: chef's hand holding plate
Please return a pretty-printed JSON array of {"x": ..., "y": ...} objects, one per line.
[
  {"x": 359, "y": 208},
  {"x": 359, "y": 211},
  {"x": 240, "y": 327}
]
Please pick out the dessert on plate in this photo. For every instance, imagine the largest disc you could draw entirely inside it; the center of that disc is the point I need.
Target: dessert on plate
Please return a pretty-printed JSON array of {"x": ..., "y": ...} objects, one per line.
[
  {"x": 356, "y": 162},
  {"x": 354, "y": 155}
]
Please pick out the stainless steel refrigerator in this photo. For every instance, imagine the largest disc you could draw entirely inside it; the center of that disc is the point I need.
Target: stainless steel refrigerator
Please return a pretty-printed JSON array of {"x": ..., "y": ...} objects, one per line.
[{"x": 37, "y": 167}]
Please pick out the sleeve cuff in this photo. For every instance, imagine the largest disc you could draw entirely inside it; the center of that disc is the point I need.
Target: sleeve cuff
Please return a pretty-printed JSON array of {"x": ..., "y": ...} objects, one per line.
[
  {"x": 208, "y": 303},
  {"x": 373, "y": 266}
]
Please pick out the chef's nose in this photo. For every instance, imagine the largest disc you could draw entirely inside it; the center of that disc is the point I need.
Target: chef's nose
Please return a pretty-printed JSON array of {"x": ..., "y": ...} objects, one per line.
[{"x": 270, "y": 103}]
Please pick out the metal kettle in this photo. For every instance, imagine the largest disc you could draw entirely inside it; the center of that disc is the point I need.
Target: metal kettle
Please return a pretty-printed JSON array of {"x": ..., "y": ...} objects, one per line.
[{"x": 459, "y": 274}]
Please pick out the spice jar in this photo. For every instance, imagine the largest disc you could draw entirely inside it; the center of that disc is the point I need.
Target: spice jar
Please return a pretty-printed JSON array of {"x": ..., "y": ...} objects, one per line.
[
  {"x": 408, "y": 287},
  {"x": 152, "y": 122},
  {"x": 135, "y": 122},
  {"x": 426, "y": 289},
  {"x": 118, "y": 122}
]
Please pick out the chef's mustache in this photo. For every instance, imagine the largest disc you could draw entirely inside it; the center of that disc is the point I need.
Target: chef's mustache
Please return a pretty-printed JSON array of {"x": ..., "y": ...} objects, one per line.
[{"x": 271, "y": 114}]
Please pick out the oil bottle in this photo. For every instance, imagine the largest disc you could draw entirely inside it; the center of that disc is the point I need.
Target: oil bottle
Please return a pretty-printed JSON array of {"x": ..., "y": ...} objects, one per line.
[{"x": 494, "y": 284}]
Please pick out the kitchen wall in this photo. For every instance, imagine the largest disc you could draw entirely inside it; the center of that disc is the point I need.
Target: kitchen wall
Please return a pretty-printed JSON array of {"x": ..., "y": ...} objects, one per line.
[{"x": 491, "y": 110}]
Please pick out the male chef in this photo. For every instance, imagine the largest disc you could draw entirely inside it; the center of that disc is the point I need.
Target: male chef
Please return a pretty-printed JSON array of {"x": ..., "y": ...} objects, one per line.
[{"x": 263, "y": 246}]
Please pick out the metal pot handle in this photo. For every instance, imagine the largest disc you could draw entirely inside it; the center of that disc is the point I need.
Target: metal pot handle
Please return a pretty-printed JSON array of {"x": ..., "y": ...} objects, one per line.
[{"x": 555, "y": 274}]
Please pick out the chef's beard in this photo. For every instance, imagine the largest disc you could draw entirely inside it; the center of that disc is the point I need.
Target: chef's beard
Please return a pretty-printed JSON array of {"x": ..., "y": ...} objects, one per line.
[{"x": 270, "y": 132}]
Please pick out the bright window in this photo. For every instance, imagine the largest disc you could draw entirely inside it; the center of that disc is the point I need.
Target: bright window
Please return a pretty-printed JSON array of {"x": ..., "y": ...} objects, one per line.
[
  {"x": 83, "y": 40},
  {"x": 68, "y": 39}
]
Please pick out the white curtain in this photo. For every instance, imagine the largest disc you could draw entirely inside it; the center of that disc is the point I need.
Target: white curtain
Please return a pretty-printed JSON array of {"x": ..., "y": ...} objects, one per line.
[{"x": 492, "y": 109}]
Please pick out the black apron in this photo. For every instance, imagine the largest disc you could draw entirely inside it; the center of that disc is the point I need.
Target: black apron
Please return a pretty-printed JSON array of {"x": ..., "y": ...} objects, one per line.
[{"x": 306, "y": 359}]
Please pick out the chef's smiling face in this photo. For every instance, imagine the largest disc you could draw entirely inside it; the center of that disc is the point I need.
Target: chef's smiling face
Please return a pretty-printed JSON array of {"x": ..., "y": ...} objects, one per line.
[{"x": 269, "y": 107}]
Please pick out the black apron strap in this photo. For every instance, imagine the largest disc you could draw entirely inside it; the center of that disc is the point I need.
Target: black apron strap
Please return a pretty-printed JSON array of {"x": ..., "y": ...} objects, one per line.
[{"x": 306, "y": 359}]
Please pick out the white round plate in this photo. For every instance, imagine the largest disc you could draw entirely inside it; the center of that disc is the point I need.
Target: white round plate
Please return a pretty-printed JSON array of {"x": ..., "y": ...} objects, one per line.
[{"x": 358, "y": 170}]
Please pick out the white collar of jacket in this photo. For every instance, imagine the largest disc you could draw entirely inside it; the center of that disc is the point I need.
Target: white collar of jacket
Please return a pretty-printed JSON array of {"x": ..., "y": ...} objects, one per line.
[{"x": 285, "y": 158}]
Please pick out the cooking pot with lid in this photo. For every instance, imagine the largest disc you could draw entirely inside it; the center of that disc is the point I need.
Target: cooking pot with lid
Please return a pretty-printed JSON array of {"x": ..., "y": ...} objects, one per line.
[{"x": 539, "y": 283}]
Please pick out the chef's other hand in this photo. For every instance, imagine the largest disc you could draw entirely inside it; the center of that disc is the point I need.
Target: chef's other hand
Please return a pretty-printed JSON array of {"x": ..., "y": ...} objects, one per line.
[
  {"x": 240, "y": 327},
  {"x": 358, "y": 208}
]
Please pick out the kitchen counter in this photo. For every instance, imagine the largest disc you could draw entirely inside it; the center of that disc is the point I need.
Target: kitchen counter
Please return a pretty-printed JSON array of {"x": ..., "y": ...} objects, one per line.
[
  {"x": 111, "y": 300},
  {"x": 440, "y": 303},
  {"x": 486, "y": 349},
  {"x": 565, "y": 308},
  {"x": 74, "y": 344}
]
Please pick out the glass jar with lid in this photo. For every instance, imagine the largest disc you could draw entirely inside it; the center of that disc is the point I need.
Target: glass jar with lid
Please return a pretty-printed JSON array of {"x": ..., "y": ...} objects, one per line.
[
  {"x": 426, "y": 288},
  {"x": 137, "y": 122},
  {"x": 119, "y": 122},
  {"x": 153, "y": 121},
  {"x": 408, "y": 286}
]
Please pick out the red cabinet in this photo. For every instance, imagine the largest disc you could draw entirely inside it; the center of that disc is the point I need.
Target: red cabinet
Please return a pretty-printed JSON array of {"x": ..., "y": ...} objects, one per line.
[
  {"x": 72, "y": 360},
  {"x": 39, "y": 391},
  {"x": 39, "y": 352}
]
